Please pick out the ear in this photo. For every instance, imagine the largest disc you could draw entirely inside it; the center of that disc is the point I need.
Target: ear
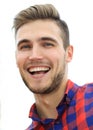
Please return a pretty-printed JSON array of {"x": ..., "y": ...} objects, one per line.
[{"x": 69, "y": 53}]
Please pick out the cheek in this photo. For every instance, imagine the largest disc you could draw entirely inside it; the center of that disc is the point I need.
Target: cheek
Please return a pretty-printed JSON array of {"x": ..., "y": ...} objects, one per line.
[
  {"x": 55, "y": 60},
  {"x": 56, "y": 57},
  {"x": 60, "y": 61},
  {"x": 20, "y": 59}
]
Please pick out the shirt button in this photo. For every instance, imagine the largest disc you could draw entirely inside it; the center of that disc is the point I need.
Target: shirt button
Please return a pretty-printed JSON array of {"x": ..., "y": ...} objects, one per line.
[{"x": 57, "y": 122}]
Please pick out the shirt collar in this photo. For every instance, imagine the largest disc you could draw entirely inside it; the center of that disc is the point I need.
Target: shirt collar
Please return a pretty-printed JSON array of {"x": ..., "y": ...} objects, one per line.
[
  {"x": 69, "y": 94},
  {"x": 71, "y": 89}
]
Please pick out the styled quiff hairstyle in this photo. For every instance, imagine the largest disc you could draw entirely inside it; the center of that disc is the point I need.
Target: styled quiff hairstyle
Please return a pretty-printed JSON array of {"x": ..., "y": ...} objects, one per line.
[{"x": 43, "y": 12}]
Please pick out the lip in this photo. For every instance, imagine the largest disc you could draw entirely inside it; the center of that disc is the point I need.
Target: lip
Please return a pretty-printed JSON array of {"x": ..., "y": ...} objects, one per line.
[{"x": 38, "y": 72}]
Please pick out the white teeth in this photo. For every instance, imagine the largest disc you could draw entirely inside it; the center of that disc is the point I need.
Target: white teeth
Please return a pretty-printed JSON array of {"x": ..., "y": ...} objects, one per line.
[{"x": 37, "y": 69}]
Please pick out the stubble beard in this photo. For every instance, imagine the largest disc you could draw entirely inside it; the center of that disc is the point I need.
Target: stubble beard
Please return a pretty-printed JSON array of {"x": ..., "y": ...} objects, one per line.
[{"x": 55, "y": 84}]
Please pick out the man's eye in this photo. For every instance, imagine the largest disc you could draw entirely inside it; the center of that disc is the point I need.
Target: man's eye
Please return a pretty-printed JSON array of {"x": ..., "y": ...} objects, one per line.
[
  {"x": 23, "y": 47},
  {"x": 48, "y": 44}
]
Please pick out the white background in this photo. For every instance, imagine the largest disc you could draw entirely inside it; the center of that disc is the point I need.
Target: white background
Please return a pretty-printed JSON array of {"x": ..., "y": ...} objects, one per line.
[{"x": 15, "y": 98}]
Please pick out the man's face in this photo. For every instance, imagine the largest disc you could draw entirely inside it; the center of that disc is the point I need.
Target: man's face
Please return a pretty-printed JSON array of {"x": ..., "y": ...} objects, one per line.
[{"x": 40, "y": 56}]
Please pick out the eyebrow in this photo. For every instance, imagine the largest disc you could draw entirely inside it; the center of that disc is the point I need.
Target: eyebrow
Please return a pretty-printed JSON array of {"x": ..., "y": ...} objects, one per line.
[
  {"x": 47, "y": 38},
  {"x": 22, "y": 41},
  {"x": 40, "y": 39}
]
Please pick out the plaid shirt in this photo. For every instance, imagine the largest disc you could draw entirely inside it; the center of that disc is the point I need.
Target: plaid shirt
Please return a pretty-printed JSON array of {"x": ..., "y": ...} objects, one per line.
[{"x": 75, "y": 111}]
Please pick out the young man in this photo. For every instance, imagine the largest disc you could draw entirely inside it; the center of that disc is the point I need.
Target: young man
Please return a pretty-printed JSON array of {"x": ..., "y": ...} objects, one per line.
[{"x": 43, "y": 53}]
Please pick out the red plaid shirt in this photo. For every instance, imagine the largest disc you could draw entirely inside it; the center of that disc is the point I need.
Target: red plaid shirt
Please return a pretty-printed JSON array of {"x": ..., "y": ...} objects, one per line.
[{"x": 75, "y": 111}]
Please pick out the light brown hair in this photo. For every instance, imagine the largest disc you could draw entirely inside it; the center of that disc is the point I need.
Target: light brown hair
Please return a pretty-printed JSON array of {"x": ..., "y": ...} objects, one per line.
[{"x": 46, "y": 11}]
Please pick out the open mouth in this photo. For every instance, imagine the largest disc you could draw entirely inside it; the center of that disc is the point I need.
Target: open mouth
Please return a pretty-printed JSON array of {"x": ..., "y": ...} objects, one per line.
[{"x": 38, "y": 70}]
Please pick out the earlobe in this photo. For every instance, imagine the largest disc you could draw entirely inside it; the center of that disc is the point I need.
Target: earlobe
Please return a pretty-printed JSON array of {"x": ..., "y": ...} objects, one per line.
[{"x": 69, "y": 54}]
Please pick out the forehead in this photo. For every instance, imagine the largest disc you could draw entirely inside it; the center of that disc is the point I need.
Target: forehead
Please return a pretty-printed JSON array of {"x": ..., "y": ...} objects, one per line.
[
  {"x": 47, "y": 25},
  {"x": 39, "y": 28}
]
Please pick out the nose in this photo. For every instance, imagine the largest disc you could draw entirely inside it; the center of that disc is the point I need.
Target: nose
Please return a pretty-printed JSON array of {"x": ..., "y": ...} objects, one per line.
[{"x": 36, "y": 53}]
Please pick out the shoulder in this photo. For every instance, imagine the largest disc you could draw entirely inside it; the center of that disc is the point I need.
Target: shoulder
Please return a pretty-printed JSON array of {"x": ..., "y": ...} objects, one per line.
[
  {"x": 84, "y": 89},
  {"x": 88, "y": 87},
  {"x": 89, "y": 90}
]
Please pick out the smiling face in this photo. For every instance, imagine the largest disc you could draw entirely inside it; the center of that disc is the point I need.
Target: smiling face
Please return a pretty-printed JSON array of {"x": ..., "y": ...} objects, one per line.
[{"x": 40, "y": 56}]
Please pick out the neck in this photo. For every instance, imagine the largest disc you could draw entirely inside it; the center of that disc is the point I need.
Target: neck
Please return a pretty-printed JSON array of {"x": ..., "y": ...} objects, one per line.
[{"x": 46, "y": 103}]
